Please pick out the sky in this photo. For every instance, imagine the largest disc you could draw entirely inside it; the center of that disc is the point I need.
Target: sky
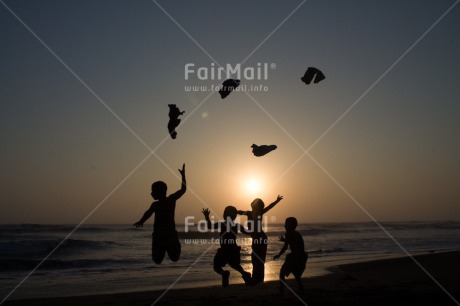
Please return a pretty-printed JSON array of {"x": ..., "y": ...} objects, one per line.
[{"x": 85, "y": 88}]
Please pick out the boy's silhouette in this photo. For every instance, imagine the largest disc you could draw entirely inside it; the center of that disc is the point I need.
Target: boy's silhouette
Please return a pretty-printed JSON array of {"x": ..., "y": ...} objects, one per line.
[
  {"x": 164, "y": 236},
  {"x": 229, "y": 251},
  {"x": 174, "y": 120},
  {"x": 296, "y": 261},
  {"x": 259, "y": 238}
]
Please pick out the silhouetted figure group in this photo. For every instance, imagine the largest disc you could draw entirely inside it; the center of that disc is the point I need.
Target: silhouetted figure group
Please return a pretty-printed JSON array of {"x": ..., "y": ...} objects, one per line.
[
  {"x": 229, "y": 252},
  {"x": 165, "y": 238}
]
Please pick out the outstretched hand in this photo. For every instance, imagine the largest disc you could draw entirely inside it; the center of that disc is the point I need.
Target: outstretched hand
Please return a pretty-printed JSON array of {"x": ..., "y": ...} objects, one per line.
[
  {"x": 138, "y": 224},
  {"x": 205, "y": 212},
  {"x": 279, "y": 198},
  {"x": 282, "y": 238},
  {"x": 182, "y": 172}
]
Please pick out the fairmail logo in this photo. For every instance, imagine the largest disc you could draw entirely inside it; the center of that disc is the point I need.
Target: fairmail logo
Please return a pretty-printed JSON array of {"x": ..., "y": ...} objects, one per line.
[{"x": 214, "y": 72}]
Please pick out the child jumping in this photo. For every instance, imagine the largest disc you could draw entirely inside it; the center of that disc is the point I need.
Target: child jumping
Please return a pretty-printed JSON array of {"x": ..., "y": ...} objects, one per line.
[
  {"x": 259, "y": 238},
  {"x": 229, "y": 251},
  {"x": 295, "y": 261},
  {"x": 164, "y": 236}
]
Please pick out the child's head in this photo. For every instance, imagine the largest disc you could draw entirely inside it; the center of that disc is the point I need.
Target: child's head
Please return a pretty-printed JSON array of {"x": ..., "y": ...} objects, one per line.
[
  {"x": 290, "y": 224},
  {"x": 257, "y": 205},
  {"x": 159, "y": 190},
  {"x": 230, "y": 212}
]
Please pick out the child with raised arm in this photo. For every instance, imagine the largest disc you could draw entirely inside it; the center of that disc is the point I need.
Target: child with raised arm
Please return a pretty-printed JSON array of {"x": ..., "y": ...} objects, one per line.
[
  {"x": 259, "y": 238},
  {"x": 229, "y": 251},
  {"x": 296, "y": 261},
  {"x": 164, "y": 236}
]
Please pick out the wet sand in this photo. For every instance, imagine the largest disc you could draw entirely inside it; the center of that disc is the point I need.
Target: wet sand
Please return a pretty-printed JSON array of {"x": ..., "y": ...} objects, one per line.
[{"x": 398, "y": 281}]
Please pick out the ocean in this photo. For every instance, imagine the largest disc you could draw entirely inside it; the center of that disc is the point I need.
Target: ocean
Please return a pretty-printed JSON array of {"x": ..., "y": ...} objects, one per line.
[{"x": 99, "y": 259}]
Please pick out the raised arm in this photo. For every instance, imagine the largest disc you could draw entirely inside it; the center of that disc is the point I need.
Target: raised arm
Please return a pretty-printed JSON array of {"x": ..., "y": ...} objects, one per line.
[
  {"x": 205, "y": 212},
  {"x": 183, "y": 188},
  {"x": 278, "y": 199},
  {"x": 144, "y": 218}
]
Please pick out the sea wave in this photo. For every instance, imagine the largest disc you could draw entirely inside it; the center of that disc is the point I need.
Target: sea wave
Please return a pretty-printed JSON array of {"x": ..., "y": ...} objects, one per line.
[
  {"x": 366, "y": 228},
  {"x": 446, "y": 225},
  {"x": 303, "y": 228},
  {"x": 328, "y": 251},
  {"x": 36, "y": 228},
  {"x": 56, "y": 264},
  {"x": 41, "y": 246}
]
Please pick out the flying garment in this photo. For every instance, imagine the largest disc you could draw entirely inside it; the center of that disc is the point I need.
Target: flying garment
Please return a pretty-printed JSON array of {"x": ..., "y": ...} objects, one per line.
[
  {"x": 312, "y": 73},
  {"x": 174, "y": 120},
  {"x": 262, "y": 150},
  {"x": 228, "y": 86}
]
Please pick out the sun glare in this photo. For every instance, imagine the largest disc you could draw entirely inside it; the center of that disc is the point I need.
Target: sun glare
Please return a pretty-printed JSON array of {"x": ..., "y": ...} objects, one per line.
[{"x": 253, "y": 186}]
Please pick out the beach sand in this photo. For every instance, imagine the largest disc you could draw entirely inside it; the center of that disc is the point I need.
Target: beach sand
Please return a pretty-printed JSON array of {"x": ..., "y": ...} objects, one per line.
[{"x": 397, "y": 281}]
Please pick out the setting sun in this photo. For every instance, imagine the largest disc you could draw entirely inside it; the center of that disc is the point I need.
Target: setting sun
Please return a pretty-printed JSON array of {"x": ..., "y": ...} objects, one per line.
[{"x": 253, "y": 186}]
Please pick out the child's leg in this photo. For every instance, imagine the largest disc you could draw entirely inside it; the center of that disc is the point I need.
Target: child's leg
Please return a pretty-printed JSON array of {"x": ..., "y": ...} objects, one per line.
[
  {"x": 238, "y": 268},
  {"x": 174, "y": 250},
  {"x": 283, "y": 273},
  {"x": 218, "y": 269},
  {"x": 225, "y": 278},
  {"x": 286, "y": 269},
  {"x": 263, "y": 256},
  {"x": 257, "y": 266},
  {"x": 259, "y": 253},
  {"x": 298, "y": 276},
  {"x": 158, "y": 256},
  {"x": 298, "y": 279},
  {"x": 246, "y": 275},
  {"x": 298, "y": 267},
  {"x": 158, "y": 250},
  {"x": 219, "y": 262}
]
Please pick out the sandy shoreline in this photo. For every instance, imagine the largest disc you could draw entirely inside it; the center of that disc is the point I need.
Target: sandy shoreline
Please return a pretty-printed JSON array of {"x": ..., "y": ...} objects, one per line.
[{"x": 397, "y": 281}]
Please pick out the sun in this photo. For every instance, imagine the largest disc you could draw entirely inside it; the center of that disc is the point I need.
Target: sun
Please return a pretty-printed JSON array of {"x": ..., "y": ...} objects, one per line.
[{"x": 253, "y": 186}]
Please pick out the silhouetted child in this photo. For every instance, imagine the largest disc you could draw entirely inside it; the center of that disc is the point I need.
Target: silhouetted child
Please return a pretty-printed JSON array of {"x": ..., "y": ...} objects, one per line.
[
  {"x": 296, "y": 260},
  {"x": 174, "y": 120},
  {"x": 164, "y": 236},
  {"x": 229, "y": 251},
  {"x": 259, "y": 238}
]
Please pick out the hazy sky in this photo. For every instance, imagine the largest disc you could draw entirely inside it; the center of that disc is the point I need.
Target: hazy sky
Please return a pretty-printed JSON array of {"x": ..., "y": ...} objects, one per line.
[{"x": 64, "y": 152}]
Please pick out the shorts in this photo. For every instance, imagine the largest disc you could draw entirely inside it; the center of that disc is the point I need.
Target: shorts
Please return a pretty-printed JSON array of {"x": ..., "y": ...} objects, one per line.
[
  {"x": 295, "y": 263},
  {"x": 230, "y": 256},
  {"x": 165, "y": 241}
]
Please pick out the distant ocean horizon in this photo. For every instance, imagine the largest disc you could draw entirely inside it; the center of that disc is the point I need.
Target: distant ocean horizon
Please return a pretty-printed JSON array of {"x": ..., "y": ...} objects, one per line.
[{"x": 108, "y": 258}]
